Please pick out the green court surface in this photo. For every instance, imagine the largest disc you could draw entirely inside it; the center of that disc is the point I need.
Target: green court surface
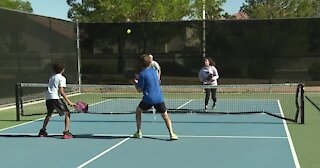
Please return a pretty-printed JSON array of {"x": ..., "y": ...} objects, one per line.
[{"x": 255, "y": 140}]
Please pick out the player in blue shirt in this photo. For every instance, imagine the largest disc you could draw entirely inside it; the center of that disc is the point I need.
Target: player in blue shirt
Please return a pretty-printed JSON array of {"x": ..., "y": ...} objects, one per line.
[{"x": 149, "y": 84}]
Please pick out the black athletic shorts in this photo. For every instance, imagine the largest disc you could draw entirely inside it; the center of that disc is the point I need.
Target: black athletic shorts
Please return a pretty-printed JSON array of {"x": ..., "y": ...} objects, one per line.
[
  {"x": 161, "y": 107},
  {"x": 56, "y": 104}
]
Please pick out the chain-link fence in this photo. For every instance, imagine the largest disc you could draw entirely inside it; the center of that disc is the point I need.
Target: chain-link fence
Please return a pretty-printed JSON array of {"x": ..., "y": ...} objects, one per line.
[
  {"x": 271, "y": 51},
  {"x": 245, "y": 51},
  {"x": 29, "y": 44}
]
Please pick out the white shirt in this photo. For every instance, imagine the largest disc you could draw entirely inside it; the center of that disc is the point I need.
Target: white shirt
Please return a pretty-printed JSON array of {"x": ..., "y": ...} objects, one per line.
[
  {"x": 204, "y": 75},
  {"x": 155, "y": 65},
  {"x": 55, "y": 81}
]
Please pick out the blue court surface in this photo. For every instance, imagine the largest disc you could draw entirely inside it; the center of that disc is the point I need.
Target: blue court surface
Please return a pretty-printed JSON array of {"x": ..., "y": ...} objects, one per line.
[{"x": 206, "y": 141}]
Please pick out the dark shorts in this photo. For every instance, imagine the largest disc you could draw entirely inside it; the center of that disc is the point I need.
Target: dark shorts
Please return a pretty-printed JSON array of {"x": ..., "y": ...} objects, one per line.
[
  {"x": 161, "y": 107},
  {"x": 58, "y": 105}
]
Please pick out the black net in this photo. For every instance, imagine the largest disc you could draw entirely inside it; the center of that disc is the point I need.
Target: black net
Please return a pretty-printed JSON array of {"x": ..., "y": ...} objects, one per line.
[{"x": 279, "y": 100}]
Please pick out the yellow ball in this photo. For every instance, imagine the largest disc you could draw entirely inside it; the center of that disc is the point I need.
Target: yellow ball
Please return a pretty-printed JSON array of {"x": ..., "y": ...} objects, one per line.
[{"x": 128, "y": 31}]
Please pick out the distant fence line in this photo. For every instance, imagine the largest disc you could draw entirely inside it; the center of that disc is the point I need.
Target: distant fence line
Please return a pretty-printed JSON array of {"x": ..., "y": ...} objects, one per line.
[{"x": 250, "y": 50}]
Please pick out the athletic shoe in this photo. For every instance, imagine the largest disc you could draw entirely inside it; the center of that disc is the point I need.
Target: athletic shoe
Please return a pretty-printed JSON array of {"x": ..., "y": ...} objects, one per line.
[
  {"x": 42, "y": 133},
  {"x": 206, "y": 107},
  {"x": 174, "y": 137},
  {"x": 67, "y": 135},
  {"x": 138, "y": 134}
]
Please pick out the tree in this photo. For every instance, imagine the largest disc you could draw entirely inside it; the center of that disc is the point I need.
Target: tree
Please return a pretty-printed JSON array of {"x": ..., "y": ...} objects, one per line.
[
  {"x": 142, "y": 10},
  {"x": 19, "y": 5},
  {"x": 281, "y": 8},
  {"x": 213, "y": 8}
]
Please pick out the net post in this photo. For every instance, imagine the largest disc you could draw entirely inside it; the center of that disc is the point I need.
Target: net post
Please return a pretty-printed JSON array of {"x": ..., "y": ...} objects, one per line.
[
  {"x": 301, "y": 103},
  {"x": 18, "y": 98}
]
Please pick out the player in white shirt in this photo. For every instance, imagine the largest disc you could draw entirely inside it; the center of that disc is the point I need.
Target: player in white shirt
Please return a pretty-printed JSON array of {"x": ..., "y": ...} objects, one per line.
[
  {"x": 208, "y": 75},
  {"x": 54, "y": 100},
  {"x": 155, "y": 65}
]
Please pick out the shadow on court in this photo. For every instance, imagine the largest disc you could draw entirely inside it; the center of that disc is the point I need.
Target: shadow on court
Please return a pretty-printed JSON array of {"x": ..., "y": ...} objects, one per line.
[
  {"x": 181, "y": 122},
  {"x": 89, "y": 136}
]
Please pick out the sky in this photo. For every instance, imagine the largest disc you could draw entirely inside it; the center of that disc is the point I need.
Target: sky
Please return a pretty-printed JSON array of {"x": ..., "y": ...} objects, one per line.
[{"x": 59, "y": 8}]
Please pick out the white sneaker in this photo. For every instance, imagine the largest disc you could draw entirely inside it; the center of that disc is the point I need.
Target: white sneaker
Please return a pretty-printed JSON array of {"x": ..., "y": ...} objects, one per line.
[
  {"x": 138, "y": 135},
  {"x": 174, "y": 137}
]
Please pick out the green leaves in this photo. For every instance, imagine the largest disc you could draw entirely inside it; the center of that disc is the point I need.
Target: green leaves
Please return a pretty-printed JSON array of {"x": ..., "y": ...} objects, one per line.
[
  {"x": 213, "y": 9},
  {"x": 19, "y": 5},
  {"x": 281, "y": 8},
  {"x": 143, "y": 10}
]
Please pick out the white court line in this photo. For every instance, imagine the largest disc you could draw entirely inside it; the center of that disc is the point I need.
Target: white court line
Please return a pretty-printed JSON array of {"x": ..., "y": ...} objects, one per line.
[
  {"x": 100, "y": 102},
  {"x": 220, "y": 136},
  {"x": 293, "y": 151},
  {"x": 18, "y": 125},
  {"x": 184, "y": 104},
  {"x": 8, "y": 107},
  {"x": 129, "y": 136},
  {"x": 229, "y": 137},
  {"x": 32, "y": 102},
  {"x": 102, "y": 153},
  {"x": 40, "y": 101},
  {"x": 164, "y": 136},
  {"x": 181, "y": 136},
  {"x": 25, "y": 123}
]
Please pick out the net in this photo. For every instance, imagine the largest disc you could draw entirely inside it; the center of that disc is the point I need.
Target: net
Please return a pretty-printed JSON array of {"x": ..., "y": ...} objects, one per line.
[
  {"x": 314, "y": 99},
  {"x": 283, "y": 101}
]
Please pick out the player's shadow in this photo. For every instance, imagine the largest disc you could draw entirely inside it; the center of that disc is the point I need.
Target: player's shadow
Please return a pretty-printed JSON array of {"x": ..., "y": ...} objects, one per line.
[
  {"x": 88, "y": 136},
  {"x": 81, "y": 136},
  {"x": 92, "y": 136},
  {"x": 157, "y": 138}
]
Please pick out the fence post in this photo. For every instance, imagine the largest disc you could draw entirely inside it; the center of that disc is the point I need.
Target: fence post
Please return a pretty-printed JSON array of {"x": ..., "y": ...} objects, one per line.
[{"x": 18, "y": 98}]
